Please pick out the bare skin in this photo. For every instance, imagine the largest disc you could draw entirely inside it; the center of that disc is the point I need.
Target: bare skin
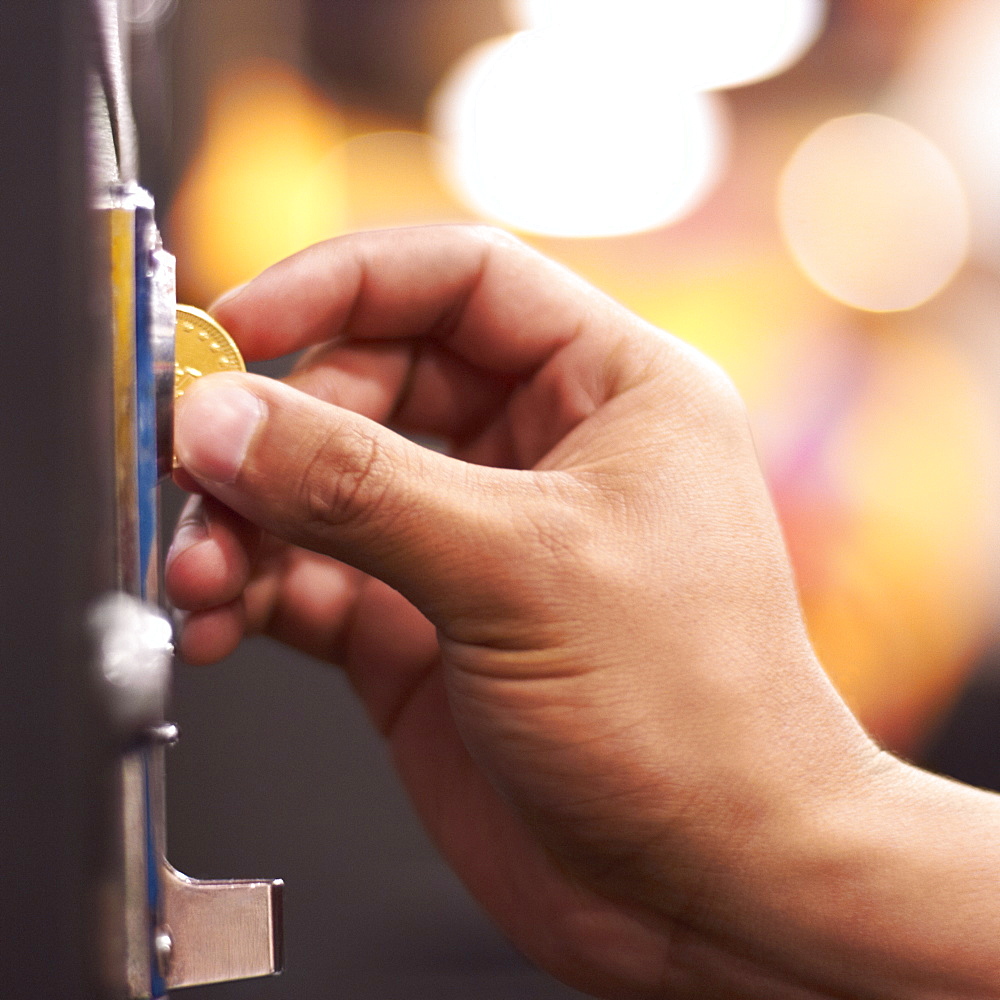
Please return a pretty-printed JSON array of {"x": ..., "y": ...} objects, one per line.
[{"x": 577, "y": 628}]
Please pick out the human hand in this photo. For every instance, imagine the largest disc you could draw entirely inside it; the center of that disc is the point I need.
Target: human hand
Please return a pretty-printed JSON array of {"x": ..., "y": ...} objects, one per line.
[{"x": 577, "y": 629}]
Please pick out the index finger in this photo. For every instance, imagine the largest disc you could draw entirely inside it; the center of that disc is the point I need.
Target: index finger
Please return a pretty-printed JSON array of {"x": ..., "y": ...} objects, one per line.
[{"x": 488, "y": 297}]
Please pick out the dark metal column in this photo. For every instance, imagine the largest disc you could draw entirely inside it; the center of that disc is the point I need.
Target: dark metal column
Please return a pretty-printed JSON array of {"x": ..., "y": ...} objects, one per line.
[{"x": 54, "y": 513}]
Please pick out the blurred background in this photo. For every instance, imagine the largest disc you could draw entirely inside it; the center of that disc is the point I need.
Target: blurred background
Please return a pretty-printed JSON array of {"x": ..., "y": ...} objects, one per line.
[{"x": 804, "y": 190}]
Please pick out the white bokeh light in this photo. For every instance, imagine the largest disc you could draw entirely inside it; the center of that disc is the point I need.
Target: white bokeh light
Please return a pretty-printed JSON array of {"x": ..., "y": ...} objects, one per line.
[
  {"x": 545, "y": 136},
  {"x": 873, "y": 212},
  {"x": 705, "y": 44},
  {"x": 949, "y": 88}
]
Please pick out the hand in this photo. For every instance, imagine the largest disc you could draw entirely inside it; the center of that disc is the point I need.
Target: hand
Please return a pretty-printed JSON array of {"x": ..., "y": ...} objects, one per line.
[{"x": 577, "y": 628}]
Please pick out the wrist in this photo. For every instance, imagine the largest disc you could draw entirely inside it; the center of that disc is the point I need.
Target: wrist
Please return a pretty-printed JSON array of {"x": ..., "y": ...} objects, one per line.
[{"x": 889, "y": 887}]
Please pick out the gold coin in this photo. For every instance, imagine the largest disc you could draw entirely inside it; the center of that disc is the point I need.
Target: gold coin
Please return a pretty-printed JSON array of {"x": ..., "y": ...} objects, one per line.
[{"x": 201, "y": 347}]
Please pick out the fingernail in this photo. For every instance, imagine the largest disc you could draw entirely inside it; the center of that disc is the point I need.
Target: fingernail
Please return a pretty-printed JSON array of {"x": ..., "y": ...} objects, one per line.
[
  {"x": 188, "y": 533},
  {"x": 227, "y": 296},
  {"x": 213, "y": 426}
]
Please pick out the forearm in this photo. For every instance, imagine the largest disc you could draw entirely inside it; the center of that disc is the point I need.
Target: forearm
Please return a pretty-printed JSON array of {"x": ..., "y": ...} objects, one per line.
[
  {"x": 891, "y": 893},
  {"x": 925, "y": 898}
]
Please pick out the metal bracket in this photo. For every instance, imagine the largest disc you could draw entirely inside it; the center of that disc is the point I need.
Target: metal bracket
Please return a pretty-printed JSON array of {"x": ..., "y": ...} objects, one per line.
[{"x": 220, "y": 930}]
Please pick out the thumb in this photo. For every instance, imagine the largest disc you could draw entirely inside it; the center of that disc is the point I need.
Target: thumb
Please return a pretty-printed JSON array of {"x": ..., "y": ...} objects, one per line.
[{"x": 338, "y": 483}]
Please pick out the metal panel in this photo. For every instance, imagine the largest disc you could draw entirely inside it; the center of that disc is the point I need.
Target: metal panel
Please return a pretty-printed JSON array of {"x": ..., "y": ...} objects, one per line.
[{"x": 56, "y": 800}]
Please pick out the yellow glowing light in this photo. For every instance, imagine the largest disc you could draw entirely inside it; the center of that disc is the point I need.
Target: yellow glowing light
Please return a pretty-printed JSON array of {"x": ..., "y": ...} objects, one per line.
[
  {"x": 544, "y": 136},
  {"x": 874, "y": 213},
  {"x": 708, "y": 44},
  {"x": 265, "y": 183},
  {"x": 392, "y": 180},
  {"x": 912, "y": 461}
]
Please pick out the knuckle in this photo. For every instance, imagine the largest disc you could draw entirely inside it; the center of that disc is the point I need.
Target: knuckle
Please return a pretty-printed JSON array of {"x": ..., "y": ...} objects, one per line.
[
  {"x": 345, "y": 481},
  {"x": 560, "y": 532},
  {"x": 720, "y": 386},
  {"x": 721, "y": 398},
  {"x": 698, "y": 389},
  {"x": 563, "y": 533}
]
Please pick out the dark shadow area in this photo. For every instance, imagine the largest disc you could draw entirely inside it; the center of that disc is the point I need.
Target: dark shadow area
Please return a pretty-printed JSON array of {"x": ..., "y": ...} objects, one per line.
[{"x": 967, "y": 744}]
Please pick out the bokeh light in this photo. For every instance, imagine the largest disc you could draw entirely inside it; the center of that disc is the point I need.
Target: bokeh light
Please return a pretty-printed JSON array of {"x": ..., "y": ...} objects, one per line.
[
  {"x": 711, "y": 44},
  {"x": 534, "y": 138},
  {"x": 266, "y": 180},
  {"x": 894, "y": 593},
  {"x": 391, "y": 178},
  {"x": 949, "y": 87},
  {"x": 873, "y": 212}
]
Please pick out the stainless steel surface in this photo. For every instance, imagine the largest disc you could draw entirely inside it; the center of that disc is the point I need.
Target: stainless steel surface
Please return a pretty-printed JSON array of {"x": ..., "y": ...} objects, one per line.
[
  {"x": 100, "y": 137},
  {"x": 113, "y": 63},
  {"x": 221, "y": 930},
  {"x": 137, "y": 940}
]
